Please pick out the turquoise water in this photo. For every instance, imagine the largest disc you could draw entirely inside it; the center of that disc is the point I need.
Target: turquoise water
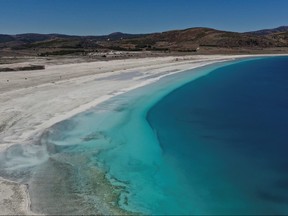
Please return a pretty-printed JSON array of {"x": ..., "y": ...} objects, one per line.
[
  {"x": 118, "y": 138},
  {"x": 216, "y": 145}
]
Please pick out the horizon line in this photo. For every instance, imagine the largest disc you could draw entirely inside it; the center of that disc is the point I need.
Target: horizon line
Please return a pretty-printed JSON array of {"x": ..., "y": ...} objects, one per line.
[{"x": 87, "y": 35}]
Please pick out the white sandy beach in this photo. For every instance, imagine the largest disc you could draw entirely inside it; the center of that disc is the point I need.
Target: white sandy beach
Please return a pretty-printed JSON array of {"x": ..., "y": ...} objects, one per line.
[{"x": 32, "y": 101}]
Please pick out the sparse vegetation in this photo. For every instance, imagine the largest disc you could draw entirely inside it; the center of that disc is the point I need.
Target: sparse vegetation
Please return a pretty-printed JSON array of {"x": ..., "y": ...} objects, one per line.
[
  {"x": 61, "y": 52},
  {"x": 22, "y": 68},
  {"x": 174, "y": 41}
]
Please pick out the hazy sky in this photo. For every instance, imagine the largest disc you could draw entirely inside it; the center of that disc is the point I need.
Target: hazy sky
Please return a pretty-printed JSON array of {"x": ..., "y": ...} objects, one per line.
[{"x": 97, "y": 17}]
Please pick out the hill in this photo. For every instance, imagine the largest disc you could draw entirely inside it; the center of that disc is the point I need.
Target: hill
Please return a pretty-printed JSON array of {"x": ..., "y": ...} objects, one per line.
[
  {"x": 203, "y": 40},
  {"x": 269, "y": 31},
  {"x": 190, "y": 39}
]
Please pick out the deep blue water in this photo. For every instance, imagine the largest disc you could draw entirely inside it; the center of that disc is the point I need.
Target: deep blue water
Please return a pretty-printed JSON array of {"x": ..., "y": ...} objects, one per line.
[
  {"x": 227, "y": 132},
  {"x": 212, "y": 140}
]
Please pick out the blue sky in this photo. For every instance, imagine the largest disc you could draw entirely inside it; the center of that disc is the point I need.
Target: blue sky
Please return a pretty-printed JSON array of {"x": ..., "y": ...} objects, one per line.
[{"x": 97, "y": 17}]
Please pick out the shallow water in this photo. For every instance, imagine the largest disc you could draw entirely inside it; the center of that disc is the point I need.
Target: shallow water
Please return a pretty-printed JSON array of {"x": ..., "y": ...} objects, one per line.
[{"x": 113, "y": 142}]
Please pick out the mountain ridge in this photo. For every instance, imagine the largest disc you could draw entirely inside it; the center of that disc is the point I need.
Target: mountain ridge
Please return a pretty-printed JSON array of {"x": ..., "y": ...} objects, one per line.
[
  {"x": 269, "y": 31},
  {"x": 185, "y": 40}
]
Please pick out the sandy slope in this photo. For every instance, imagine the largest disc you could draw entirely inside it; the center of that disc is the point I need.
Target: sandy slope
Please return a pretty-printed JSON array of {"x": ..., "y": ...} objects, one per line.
[{"x": 32, "y": 101}]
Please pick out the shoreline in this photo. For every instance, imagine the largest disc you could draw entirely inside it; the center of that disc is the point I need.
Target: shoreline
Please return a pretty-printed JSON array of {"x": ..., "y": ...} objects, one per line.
[{"x": 65, "y": 97}]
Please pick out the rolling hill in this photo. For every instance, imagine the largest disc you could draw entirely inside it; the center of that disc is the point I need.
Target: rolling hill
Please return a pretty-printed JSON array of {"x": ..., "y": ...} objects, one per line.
[{"x": 206, "y": 40}]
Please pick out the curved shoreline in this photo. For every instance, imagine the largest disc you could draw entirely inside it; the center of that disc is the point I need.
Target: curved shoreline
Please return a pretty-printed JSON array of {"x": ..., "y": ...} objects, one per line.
[
  {"x": 24, "y": 128},
  {"x": 134, "y": 118}
]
